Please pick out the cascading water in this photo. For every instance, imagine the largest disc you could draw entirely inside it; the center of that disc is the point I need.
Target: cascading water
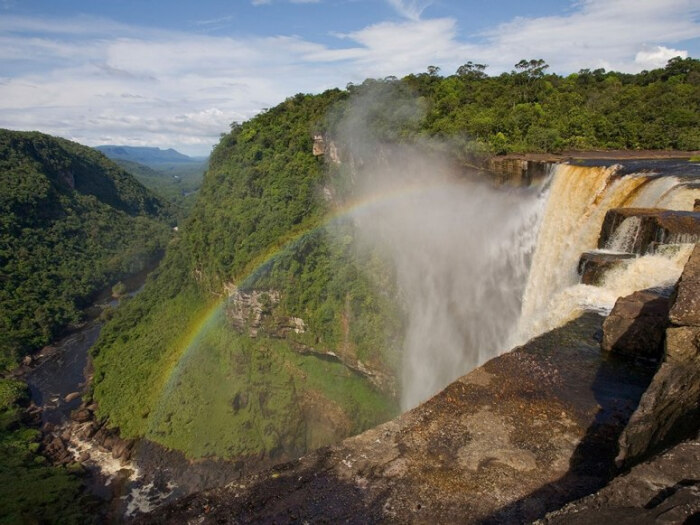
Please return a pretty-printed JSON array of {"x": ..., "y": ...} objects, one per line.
[
  {"x": 622, "y": 241},
  {"x": 462, "y": 252},
  {"x": 576, "y": 206}
]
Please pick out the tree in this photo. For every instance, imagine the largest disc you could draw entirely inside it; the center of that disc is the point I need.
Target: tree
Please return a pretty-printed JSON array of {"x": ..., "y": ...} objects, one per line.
[
  {"x": 532, "y": 69},
  {"x": 472, "y": 71}
]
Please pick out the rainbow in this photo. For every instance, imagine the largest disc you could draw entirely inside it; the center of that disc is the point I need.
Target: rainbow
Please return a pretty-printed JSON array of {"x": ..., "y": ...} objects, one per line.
[{"x": 207, "y": 316}]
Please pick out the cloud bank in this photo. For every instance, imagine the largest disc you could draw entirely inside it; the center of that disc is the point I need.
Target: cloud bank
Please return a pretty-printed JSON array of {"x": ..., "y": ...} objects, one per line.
[{"x": 98, "y": 81}]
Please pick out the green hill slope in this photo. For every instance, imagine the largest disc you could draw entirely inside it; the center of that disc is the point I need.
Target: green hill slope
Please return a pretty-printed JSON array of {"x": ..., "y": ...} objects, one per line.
[
  {"x": 72, "y": 222},
  {"x": 278, "y": 385}
]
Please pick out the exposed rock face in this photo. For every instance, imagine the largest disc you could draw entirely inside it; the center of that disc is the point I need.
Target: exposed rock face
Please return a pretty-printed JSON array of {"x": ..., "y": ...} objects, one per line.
[
  {"x": 637, "y": 324},
  {"x": 333, "y": 153},
  {"x": 516, "y": 438},
  {"x": 664, "y": 489},
  {"x": 592, "y": 266},
  {"x": 516, "y": 171},
  {"x": 328, "y": 148},
  {"x": 656, "y": 226},
  {"x": 253, "y": 311},
  {"x": 686, "y": 308},
  {"x": 670, "y": 408},
  {"x": 319, "y": 147}
]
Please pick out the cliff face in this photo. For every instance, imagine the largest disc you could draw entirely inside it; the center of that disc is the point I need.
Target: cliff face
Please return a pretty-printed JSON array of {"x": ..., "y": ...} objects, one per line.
[{"x": 263, "y": 328}]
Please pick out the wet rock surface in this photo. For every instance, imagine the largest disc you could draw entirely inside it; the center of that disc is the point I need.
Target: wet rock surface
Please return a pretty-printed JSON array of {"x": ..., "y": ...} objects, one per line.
[
  {"x": 657, "y": 226},
  {"x": 509, "y": 442},
  {"x": 593, "y": 265}
]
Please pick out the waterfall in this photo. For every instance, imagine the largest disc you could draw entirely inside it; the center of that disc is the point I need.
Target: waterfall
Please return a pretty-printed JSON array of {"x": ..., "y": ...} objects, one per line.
[
  {"x": 578, "y": 201},
  {"x": 481, "y": 270},
  {"x": 624, "y": 237}
]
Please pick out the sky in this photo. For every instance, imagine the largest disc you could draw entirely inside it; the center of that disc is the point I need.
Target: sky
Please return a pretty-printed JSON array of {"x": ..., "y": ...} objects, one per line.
[{"x": 177, "y": 74}]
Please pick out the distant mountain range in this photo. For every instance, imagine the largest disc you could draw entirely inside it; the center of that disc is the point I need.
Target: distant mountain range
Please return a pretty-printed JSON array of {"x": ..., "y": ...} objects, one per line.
[{"x": 147, "y": 155}]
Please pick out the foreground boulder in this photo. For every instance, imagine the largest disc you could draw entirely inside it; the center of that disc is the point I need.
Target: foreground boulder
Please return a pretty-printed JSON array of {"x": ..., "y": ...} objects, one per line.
[
  {"x": 518, "y": 437},
  {"x": 670, "y": 408},
  {"x": 636, "y": 325},
  {"x": 592, "y": 266},
  {"x": 663, "y": 489}
]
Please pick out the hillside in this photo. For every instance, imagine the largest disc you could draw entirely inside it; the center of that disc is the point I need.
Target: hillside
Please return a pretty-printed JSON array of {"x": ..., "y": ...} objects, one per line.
[
  {"x": 280, "y": 392},
  {"x": 72, "y": 223},
  {"x": 266, "y": 331}
]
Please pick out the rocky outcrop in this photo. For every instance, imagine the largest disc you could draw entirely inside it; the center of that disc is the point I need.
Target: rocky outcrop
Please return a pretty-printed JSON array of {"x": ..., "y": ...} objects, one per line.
[
  {"x": 637, "y": 324},
  {"x": 246, "y": 310},
  {"x": 670, "y": 408},
  {"x": 592, "y": 266},
  {"x": 517, "y": 171},
  {"x": 655, "y": 226},
  {"x": 664, "y": 489},
  {"x": 327, "y": 148},
  {"x": 514, "y": 439},
  {"x": 252, "y": 312},
  {"x": 319, "y": 147},
  {"x": 686, "y": 308}
]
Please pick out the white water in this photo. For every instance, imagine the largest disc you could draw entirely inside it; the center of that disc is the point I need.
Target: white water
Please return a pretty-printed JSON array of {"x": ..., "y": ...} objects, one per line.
[
  {"x": 624, "y": 237},
  {"x": 578, "y": 200},
  {"x": 462, "y": 254}
]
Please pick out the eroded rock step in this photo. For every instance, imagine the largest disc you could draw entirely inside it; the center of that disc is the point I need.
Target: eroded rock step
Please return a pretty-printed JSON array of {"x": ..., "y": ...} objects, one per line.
[
  {"x": 656, "y": 226},
  {"x": 593, "y": 265}
]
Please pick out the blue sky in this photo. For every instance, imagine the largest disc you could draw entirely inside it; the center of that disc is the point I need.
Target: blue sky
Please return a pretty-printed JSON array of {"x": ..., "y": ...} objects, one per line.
[{"x": 176, "y": 74}]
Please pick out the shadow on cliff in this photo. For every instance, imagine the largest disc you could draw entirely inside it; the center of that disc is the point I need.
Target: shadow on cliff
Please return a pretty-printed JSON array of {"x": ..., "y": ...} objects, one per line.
[
  {"x": 615, "y": 390},
  {"x": 292, "y": 492}
]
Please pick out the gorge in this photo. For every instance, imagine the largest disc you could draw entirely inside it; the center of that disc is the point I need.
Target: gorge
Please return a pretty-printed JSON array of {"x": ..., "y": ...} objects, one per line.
[
  {"x": 536, "y": 427},
  {"x": 565, "y": 213}
]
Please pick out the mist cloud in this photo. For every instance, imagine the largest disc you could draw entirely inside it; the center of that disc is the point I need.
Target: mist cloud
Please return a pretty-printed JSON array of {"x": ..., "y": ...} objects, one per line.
[{"x": 460, "y": 248}]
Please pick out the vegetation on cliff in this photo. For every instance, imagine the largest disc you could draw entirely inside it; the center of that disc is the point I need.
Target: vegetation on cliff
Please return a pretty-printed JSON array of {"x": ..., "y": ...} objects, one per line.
[
  {"x": 72, "y": 222},
  {"x": 177, "y": 182},
  {"x": 258, "y": 223},
  {"x": 261, "y": 223}
]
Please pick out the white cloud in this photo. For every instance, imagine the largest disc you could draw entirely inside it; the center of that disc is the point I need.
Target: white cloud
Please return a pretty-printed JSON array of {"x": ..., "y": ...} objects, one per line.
[
  {"x": 598, "y": 32},
  {"x": 657, "y": 56},
  {"x": 99, "y": 81},
  {"x": 411, "y": 9}
]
